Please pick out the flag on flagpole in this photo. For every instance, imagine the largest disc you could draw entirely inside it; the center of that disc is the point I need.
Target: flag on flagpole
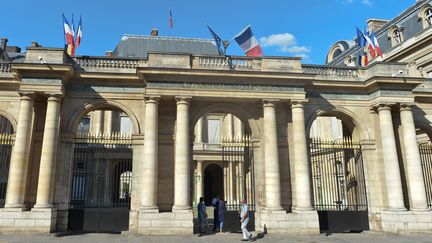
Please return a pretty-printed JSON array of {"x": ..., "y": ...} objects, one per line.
[
  {"x": 371, "y": 45},
  {"x": 170, "y": 18},
  {"x": 79, "y": 34},
  {"x": 69, "y": 36},
  {"x": 361, "y": 41},
  {"x": 248, "y": 42},
  {"x": 218, "y": 42},
  {"x": 363, "y": 60},
  {"x": 376, "y": 44}
]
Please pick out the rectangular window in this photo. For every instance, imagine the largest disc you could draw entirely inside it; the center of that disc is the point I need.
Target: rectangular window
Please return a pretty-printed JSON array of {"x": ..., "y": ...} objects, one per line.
[{"x": 214, "y": 131}]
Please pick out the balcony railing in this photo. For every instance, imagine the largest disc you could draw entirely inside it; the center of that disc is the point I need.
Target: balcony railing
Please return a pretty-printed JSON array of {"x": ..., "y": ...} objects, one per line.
[
  {"x": 225, "y": 62},
  {"x": 331, "y": 71},
  {"x": 102, "y": 62},
  {"x": 5, "y": 67}
]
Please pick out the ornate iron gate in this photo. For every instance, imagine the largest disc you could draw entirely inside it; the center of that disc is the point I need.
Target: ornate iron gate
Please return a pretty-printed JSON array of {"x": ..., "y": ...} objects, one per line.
[
  {"x": 6, "y": 143},
  {"x": 238, "y": 153},
  {"x": 426, "y": 162},
  {"x": 339, "y": 185},
  {"x": 101, "y": 184}
]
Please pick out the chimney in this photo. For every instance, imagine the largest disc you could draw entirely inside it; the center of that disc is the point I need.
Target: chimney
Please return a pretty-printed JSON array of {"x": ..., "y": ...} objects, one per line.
[
  {"x": 4, "y": 41},
  {"x": 375, "y": 24},
  {"x": 35, "y": 44},
  {"x": 108, "y": 53},
  {"x": 154, "y": 32}
]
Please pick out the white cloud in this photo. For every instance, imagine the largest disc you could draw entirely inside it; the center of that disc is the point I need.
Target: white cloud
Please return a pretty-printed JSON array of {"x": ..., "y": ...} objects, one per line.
[
  {"x": 367, "y": 2},
  {"x": 285, "y": 42},
  {"x": 285, "y": 39}
]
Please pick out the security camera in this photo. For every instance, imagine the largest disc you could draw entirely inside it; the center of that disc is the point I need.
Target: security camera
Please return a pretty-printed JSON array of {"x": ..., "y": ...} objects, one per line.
[
  {"x": 40, "y": 58},
  {"x": 401, "y": 71}
]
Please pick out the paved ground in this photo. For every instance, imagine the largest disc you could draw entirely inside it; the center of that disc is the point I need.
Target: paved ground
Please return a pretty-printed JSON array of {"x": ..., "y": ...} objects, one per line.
[{"x": 223, "y": 237}]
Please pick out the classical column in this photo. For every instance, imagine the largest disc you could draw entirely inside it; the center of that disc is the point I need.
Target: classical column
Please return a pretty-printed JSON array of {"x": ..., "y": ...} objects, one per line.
[
  {"x": 150, "y": 164},
  {"x": 200, "y": 180},
  {"x": 108, "y": 122},
  {"x": 391, "y": 162},
  {"x": 238, "y": 128},
  {"x": 182, "y": 156},
  {"x": 15, "y": 194},
  {"x": 45, "y": 189},
  {"x": 199, "y": 131},
  {"x": 301, "y": 162},
  {"x": 228, "y": 122},
  {"x": 97, "y": 124},
  {"x": 416, "y": 185},
  {"x": 271, "y": 161}
]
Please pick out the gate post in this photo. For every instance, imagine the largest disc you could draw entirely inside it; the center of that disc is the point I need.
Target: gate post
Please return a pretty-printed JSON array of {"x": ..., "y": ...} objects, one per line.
[
  {"x": 391, "y": 165},
  {"x": 416, "y": 185}
]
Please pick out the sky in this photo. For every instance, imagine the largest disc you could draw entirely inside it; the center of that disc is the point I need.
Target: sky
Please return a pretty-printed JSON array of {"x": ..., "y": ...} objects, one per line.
[{"x": 305, "y": 28}]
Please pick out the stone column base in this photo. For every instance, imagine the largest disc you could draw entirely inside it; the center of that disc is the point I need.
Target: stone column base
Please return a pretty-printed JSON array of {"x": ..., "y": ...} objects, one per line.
[
  {"x": 299, "y": 222},
  {"x": 152, "y": 222},
  {"x": 402, "y": 222},
  {"x": 38, "y": 220}
]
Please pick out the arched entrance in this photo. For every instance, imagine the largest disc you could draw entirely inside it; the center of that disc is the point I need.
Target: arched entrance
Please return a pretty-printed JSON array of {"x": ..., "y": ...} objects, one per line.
[
  {"x": 6, "y": 142},
  {"x": 102, "y": 173},
  {"x": 213, "y": 183},
  {"x": 337, "y": 174},
  {"x": 425, "y": 149}
]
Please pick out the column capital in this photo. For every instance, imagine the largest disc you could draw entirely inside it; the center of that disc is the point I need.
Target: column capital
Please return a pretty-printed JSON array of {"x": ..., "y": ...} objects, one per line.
[
  {"x": 152, "y": 99},
  {"x": 54, "y": 97},
  {"x": 406, "y": 106},
  {"x": 269, "y": 102},
  {"x": 382, "y": 106},
  {"x": 183, "y": 100},
  {"x": 26, "y": 95},
  {"x": 298, "y": 103}
]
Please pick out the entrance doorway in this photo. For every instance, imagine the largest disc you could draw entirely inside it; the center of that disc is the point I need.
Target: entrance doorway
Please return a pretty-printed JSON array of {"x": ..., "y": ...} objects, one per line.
[{"x": 213, "y": 183}]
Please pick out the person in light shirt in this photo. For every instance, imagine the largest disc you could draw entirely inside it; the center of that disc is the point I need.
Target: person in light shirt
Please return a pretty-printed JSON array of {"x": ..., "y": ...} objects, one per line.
[{"x": 244, "y": 220}]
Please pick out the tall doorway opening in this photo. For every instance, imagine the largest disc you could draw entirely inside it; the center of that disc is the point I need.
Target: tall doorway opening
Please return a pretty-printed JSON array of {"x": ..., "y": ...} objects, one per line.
[{"x": 213, "y": 183}]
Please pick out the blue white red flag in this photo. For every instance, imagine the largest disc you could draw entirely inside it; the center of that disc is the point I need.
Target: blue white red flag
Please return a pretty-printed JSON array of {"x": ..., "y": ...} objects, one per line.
[
  {"x": 79, "y": 34},
  {"x": 376, "y": 44},
  {"x": 170, "y": 18},
  {"x": 218, "y": 41},
  {"x": 371, "y": 45},
  {"x": 248, "y": 42},
  {"x": 68, "y": 31}
]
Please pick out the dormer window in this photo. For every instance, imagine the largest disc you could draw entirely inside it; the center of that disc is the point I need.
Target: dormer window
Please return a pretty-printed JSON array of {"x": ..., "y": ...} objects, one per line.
[
  {"x": 395, "y": 35},
  {"x": 425, "y": 15}
]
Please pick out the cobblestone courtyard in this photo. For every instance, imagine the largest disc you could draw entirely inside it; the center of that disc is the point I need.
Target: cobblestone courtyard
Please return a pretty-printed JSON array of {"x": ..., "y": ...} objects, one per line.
[{"x": 368, "y": 237}]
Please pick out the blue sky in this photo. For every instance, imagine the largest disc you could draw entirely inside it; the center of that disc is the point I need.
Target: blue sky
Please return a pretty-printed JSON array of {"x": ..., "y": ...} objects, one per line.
[{"x": 284, "y": 27}]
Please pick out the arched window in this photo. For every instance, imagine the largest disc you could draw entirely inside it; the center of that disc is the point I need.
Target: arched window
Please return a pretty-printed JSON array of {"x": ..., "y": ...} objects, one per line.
[
  {"x": 425, "y": 15},
  {"x": 395, "y": 35},
  {"x": 428, "y": 16}
]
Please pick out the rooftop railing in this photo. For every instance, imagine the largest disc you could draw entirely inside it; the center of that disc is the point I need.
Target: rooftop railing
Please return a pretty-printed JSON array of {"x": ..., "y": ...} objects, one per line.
[
  {"x": 350, "y": 72},
  {"x": 225, "y": 62},
  {"x": 5, "y": 67},
  {"x": 106, "y": 62}
]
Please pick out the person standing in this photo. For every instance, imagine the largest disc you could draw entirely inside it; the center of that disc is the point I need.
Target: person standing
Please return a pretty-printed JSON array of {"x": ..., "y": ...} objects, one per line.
[
  {"x": 244, "y": 220},
  {"x": 202, "y": 215},
  {"x": 215, "y": 203},
  {"x": 221, "y": 214}
]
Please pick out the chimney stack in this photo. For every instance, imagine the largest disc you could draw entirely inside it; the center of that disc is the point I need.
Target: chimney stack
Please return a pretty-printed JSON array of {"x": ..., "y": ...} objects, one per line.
[
  {"x": 375, "y": 24},
  {"x": 35, "y": 44},
  {"x": 108, "y": 53},
  {"x": 154, "y": 32},
  {"x": 3, "y": 44}
]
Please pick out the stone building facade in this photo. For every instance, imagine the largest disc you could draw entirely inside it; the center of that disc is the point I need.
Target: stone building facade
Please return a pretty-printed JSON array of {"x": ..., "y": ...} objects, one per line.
[{"x": 131, "y": 141}]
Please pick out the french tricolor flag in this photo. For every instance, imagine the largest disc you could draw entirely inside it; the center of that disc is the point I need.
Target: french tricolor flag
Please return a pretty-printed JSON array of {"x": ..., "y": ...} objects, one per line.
[{"x": 248, "y": 42}]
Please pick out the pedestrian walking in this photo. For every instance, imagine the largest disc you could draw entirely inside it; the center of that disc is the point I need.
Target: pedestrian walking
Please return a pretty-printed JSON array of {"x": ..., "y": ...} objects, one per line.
[
  {"x": 202, "y": 216},
  {"x": 215, "y": 203},
  {"x": 221, "y": 214},
  {"x": 244, "y": 220}
]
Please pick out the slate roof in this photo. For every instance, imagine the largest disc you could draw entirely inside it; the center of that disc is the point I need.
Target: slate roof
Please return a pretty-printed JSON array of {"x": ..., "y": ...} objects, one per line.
[{"x": 139, "y": 46}]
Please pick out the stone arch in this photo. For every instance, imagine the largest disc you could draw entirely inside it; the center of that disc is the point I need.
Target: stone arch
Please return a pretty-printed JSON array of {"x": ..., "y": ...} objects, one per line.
[
  {"x": 348, "y": 117},
  {"x": 426, "y": 127},
  {"x": 10, "y": 118},
  {"x": 77, "y": 115},
  {"x": 250, "y": 126}
]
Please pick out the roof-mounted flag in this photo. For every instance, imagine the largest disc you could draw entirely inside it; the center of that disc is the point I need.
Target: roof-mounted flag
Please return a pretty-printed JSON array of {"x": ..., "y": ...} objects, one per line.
[
  {"x": 361, "y": 41},
  {"x": 371, "y": 45},
  {"x": 68, "y": 31},
  {"x": 170, "y": 18},
  {"x": 79, "y": 34},
  {"x": 218, "y": 41},
  {"x": 248, "y": 42},
  {"x": 376, "y": 44}
]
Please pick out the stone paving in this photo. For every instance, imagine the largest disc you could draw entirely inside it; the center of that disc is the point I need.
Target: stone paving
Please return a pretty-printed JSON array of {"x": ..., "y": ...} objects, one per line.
[{"x": 368, "y": 237}]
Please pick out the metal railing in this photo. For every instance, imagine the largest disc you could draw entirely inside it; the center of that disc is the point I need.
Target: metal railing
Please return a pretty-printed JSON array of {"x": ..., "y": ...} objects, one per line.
[
  {"x": 225, "y": 62},
  {"x": 331, "y": 71},
  {"x": 106, "y": 62},
  {"x": 426, "y": 164},
  {"x": 6, "y": 143}
]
